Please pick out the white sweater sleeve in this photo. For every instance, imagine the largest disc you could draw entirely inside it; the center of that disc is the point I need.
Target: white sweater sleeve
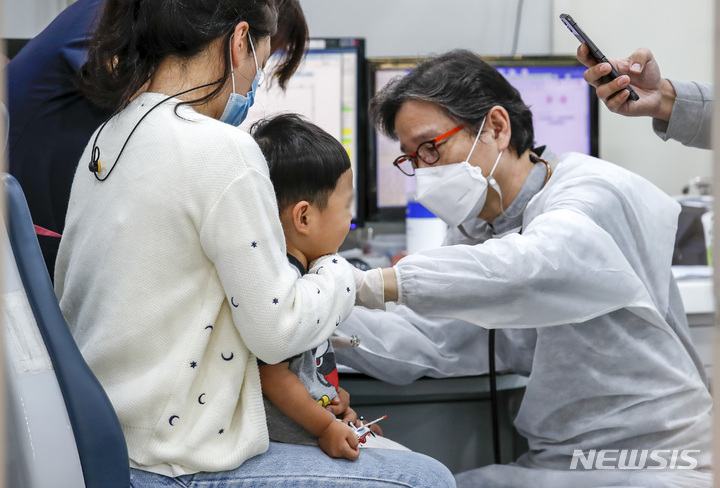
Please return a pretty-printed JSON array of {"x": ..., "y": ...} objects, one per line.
[{"x": 277, "y": 314}]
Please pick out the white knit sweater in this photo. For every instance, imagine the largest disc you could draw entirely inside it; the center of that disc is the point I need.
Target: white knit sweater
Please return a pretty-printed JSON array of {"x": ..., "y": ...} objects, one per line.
[{"x": 173, "y": 277}]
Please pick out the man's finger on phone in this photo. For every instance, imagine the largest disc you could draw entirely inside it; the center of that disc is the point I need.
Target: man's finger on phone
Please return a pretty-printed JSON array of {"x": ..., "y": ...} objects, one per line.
[
  {"x": 615, "y": 102},
  {"x": 592, "y": 75},
  {"x": 583, "y": 55},
  {"x": 607, "y": 91}
]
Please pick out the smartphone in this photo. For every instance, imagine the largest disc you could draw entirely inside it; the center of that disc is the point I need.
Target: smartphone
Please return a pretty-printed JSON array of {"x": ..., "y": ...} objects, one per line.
[{"x": 595, "y": 52}]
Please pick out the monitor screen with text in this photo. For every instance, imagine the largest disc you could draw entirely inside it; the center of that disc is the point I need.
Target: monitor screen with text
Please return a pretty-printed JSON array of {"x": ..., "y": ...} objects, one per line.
[
  {"x": 563, "y": 105},
  {"x": 330, "y": 90}
]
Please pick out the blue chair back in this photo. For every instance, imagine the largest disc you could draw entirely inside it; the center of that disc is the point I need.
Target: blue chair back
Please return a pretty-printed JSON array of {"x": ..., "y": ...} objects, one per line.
[{"x": 99, "y": 439}]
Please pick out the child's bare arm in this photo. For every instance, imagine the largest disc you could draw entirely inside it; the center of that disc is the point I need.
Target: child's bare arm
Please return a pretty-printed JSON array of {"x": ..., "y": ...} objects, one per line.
[{"x": 285, "y": 390}]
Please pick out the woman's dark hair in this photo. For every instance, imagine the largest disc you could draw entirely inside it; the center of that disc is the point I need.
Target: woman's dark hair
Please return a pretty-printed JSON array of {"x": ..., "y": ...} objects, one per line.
[
  {"x": 305, "y": 161},
  {"x": 291, "y": 38},
  {"x": 134, "y": 36},
  {"x": 464, "y": 87}
]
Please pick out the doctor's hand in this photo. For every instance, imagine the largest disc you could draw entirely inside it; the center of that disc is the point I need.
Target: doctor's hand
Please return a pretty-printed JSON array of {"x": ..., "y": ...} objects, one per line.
[
  {"x": 657, "y": 95},
  {"x": 369, "y": 288},
  {"x": 375, "y": 287}
]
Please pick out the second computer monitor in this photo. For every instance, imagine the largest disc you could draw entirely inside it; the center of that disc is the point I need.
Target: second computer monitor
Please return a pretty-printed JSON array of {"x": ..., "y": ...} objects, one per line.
[
  {"x": 330, "y": 90},
  {"x": 564, "y": 108}
]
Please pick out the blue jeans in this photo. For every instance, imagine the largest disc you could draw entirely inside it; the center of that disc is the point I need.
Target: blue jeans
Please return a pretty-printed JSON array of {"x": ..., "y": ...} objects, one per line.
[{"x": 291, "y": 466}]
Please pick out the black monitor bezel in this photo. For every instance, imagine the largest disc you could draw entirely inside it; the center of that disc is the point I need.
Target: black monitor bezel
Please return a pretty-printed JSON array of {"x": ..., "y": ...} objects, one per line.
[
  {"x": 362, "y": 135},
  {"x": 12, "y": 46},
  {"x": 396, "y": 214}
]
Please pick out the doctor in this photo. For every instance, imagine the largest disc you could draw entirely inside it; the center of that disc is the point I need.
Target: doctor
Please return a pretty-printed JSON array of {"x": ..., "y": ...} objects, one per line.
[{"x": 572, "y": 264}]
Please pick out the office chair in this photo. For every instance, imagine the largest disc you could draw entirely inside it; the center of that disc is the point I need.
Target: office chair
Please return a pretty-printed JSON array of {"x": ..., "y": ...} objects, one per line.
[{"x": 62, "y": 428}]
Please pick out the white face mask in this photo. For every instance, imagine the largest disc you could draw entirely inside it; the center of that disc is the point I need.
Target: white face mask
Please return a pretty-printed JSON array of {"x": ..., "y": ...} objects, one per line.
[{"x": 455, "y": 192}]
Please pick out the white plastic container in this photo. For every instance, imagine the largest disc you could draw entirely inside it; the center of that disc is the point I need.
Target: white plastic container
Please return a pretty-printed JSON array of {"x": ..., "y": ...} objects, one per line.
[{"x": 423, "y": 230}]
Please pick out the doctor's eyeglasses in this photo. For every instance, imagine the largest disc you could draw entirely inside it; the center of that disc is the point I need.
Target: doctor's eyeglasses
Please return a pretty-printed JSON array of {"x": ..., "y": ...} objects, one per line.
[{"x": 427, "y": 151}]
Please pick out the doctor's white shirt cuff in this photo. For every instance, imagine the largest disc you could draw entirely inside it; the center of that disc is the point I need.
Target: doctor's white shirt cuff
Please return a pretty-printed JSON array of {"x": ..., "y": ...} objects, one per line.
[{"x": 399, "y": 286}]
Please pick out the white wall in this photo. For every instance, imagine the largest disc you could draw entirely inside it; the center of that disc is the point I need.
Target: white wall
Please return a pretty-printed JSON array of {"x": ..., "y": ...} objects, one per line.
[
  {"x": 681, "y": 35},
  {"x": 397, "y": 28},
  {"x": 26, "y": 18}
]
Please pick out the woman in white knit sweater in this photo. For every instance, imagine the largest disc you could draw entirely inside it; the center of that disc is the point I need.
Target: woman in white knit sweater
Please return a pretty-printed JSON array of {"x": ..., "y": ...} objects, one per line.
[{"x": 172, "y": 271}]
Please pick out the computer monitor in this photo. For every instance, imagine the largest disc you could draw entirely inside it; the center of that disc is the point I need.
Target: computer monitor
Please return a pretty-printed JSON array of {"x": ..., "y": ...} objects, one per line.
[
  {"x": 564, "y": 108},
  {"x": 330, "y": 88},
  {"x": 13, "y": 46}
]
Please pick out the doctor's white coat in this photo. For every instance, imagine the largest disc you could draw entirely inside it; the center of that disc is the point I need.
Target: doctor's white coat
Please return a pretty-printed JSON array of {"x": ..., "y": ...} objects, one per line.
[{"x": 591, "y": 309}]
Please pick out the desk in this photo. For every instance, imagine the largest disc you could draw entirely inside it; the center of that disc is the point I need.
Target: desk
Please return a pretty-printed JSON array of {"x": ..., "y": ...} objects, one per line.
[
  {"x": 447, "y": 419},
  {"x": 699, "y": 302}
]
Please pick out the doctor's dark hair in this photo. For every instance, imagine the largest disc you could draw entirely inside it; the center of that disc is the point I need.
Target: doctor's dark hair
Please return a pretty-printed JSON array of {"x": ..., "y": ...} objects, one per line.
[
  {"x": 464, "y": 87},
  {"x": 134, "y": 36},
  {"x": 305, "y": 161}
]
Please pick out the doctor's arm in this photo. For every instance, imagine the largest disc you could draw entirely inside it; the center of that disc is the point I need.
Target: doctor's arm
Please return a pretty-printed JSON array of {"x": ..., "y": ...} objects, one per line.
[
  {"x": 401, "y": 346},
  {"x": 563, "y": 269}
]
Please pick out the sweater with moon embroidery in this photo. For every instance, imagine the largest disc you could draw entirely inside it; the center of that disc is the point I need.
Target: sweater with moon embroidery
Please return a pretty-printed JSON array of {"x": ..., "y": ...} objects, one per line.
[{"x": 173, "y": 278}]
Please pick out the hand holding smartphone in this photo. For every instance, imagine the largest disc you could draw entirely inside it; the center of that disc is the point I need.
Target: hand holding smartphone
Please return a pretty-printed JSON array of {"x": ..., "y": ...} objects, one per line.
[{"x": 594, "y": 51}]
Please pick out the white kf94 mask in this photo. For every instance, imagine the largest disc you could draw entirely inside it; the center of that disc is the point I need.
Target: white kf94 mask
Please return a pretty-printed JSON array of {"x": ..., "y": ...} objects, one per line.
[{"x": 454, "y": 192}]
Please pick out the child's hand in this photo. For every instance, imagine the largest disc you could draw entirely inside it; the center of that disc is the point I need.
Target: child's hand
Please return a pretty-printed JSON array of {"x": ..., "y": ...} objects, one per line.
[
  {"x": 350, "y": 417},
  {"x": 340, "y": 403},
  {"x": 339, "y": 441}
]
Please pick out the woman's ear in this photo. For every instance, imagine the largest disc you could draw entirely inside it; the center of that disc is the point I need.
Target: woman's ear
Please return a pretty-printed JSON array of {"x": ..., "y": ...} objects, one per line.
[
  {"x": 301, "y": 217},
  {"x": 238, "y": 43},
  {"x": 499, "y": 121}
]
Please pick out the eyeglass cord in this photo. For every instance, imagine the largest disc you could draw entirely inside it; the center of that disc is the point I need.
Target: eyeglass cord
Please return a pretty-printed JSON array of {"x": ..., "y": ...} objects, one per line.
[{"x": 94, "y": 165}]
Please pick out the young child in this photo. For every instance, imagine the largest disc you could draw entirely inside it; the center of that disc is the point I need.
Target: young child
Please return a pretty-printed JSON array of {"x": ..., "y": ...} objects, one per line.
[{"x": 313, "y": 182}]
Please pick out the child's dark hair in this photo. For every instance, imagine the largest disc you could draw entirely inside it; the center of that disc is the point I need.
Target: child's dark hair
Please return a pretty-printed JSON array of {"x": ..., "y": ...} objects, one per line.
[
  {"x": 305, "y": 161},
  {"x": 134, "y": 36}
]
